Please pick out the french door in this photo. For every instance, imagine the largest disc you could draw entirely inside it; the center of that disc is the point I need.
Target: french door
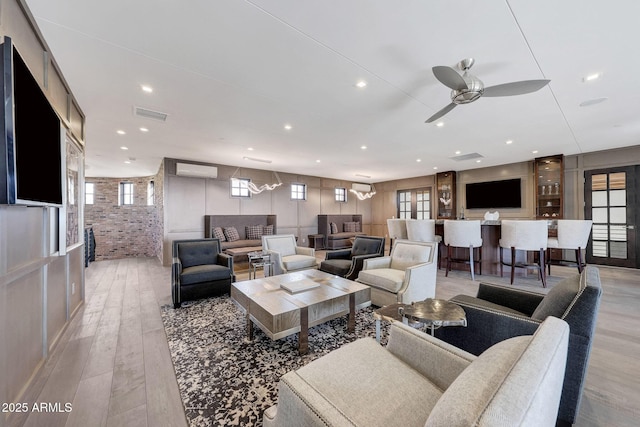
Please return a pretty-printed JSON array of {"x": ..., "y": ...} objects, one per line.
[
  {"x": 414, "y": 203},
  {"x": 611, "y": 203}
]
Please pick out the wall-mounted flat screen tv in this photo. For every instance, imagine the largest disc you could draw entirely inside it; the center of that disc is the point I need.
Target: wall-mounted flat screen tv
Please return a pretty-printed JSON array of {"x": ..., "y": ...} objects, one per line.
[
  {"x": 494, "y": 194},
  {"x": 31, "y": 146}
]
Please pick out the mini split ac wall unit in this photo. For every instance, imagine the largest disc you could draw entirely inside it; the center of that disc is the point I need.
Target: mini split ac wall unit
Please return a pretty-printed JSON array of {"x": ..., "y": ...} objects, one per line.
[
  {"x": 197, "y": 171},
  {"x": 363, "y": 188}
]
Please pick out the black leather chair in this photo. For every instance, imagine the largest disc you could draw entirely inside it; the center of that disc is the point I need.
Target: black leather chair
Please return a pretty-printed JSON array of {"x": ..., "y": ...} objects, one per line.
[
  {"x": 348, "y": 262},
  {"x": 199, "y": 270},
  {"x": 498, "y": 313}
]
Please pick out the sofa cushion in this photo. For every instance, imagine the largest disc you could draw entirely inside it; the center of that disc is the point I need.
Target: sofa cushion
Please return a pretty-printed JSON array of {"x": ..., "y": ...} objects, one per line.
[
  {"x": 253, "y": 232},
  {"x": 558, "y": 299},
  {"x": 366, "y": 247},
  {"x": 350, "y": 227},
  {"x": 299, "y": 262},
  {"x": 388, "y": 279},
  {"x": 407, "y": 255},
  {"x": 242, "y": 244},
  {"x": 203, "y": 273},
  {"x": 198, "y": 253},
  {"x": 284, "y": 245},
  {"x": 339, "y": 267},
  {"x": 219, "y": 234},
  {"x": 490, "y": 390},
  {"x": 368, "y": 385},
  {"x": 231, "y": 233}
]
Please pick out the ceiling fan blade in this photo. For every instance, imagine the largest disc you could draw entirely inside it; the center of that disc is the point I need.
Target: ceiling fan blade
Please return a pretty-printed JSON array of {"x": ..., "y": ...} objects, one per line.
[
  {"x": 441, "y": 113},
  {"x": 515, "y": 88},
  {"x": 449, "y": 77}
]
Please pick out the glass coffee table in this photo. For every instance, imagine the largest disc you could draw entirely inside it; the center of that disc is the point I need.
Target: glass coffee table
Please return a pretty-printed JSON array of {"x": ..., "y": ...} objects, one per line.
[{"x": 433, "y": 313}]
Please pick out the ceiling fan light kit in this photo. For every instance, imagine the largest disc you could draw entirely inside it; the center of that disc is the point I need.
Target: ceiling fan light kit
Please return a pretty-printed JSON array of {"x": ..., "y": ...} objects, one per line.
[{"x": 467, "y": 88}]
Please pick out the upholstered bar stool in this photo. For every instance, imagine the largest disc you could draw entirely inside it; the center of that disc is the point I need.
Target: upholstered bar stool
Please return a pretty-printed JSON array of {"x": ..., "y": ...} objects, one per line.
[
  {"x": 397, "y": 230},
  {"x": 463, "y": 234},
  {"x": 522, "y": 235},
  {"x": 573, "y": 234},
  {"x": 423, "y": 230}
]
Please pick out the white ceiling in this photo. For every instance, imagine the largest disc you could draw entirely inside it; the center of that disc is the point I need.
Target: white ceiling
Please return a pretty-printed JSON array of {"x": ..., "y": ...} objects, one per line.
[{"x": 230, "y": 74}]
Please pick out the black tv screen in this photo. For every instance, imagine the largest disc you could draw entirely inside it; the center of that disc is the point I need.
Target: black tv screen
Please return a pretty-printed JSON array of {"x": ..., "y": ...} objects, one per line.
[
  {"x": 32, "y": 140},
  {"x": 494, "y": 194}
]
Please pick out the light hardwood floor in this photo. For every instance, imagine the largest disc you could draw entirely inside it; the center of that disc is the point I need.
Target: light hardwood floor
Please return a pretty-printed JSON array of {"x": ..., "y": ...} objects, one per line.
[{"x": 113, "y": 362}]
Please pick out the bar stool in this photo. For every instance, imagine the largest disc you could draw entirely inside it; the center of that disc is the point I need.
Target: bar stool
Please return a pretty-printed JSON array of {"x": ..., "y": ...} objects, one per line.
[
  {"x": 463, "y": 234},
  {"x": 524, "y": 236},
  {"x": 423, "y": 230},
  {"x": 572, "y": 234},
  {"x": 397, "y": 230}
]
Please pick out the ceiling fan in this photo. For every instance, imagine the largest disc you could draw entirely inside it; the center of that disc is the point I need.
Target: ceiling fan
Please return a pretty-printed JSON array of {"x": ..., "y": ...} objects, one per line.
[{"x": 467, "y": 88}]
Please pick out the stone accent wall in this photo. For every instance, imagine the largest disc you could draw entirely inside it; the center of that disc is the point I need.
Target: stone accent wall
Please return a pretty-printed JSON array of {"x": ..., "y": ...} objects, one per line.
[{"x": 125, "y": 231}]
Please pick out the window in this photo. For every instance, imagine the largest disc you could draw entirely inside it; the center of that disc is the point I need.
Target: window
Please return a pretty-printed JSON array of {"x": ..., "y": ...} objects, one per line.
[
  {"x": 151, "y": 193},
  {"x": 89, "y": 191},
  {"x": 298, "y": 192},
  {"x": 240, "y": 187},
  {"x": 126, "y": 193},
  {"x": 341, "y": 195}
]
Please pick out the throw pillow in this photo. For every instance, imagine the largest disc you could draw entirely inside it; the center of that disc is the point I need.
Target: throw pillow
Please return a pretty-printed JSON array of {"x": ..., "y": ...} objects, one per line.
[
  {"x": 559, "y": 298},
  {"x": 253, "y": 232},
  {"x": 358, "y": 226},
  {"x": 267, "y": 230},
  {"x": 350, "y": 227},
  {"x": 231, "y": 234},
  {"x": 218, "y": 233},
  {"x": 334, "y": 227}
]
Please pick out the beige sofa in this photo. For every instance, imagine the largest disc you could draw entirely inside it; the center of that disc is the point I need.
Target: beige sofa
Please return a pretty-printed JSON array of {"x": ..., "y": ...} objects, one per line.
[{"x": 419, "y": 380}]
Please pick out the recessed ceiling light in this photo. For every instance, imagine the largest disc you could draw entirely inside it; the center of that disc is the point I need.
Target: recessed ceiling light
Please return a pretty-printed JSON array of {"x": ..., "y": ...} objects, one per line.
[
  {"x": 362, "y": 175},
  {"x": 144, "y": 130},
  {"x": 120, "y": 132},
  {"x": 458, "y": 152},
  {"x": 287, "y": 127},
  {"x": 594, "y": 101},
  {"x": 435, "y": 168},
  {"x": 364, "y": 147},
  {"x": 124, "y": 148},
  {"x": 127, "y": 161},
  {"x": 440, "y": 124},
  {"x": 478, "y": 161},
  {"x": 361, "y": 84},
  {"x": 318, "y": 161},
  {"x": 591, "y": 77},
  {"x": 147, "y": 89},
  {"x": 509, "y": 142},
  {"x": 250, "y": 148},
  {"x": 535, "y": 151},
  {"x": 418, "y": 160}
]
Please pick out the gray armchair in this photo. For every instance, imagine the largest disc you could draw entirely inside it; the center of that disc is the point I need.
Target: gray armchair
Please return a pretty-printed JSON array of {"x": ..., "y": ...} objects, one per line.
[
  {"x": 418, "y": 380},
  {"x": 498, "y": 313},
  {"x": 348, "y": 262},
  {"x": 199, "y": 270}
]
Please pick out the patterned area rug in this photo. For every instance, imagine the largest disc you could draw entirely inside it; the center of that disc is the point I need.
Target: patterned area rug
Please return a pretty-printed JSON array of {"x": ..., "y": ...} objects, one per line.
[{"x": 224, "y": 379}]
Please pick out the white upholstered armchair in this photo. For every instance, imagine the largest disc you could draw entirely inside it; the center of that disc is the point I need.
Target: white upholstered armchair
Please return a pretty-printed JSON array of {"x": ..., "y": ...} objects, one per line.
[
  {"x": 286, "y": 256},
  {"x": 407, "y": 275}
]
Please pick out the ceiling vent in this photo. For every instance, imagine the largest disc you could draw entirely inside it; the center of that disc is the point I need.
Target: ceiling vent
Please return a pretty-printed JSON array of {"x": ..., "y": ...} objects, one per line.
[
  {"x": 197, "y": 171},
  {"x": 149, "y": 114},
  {"x": 469, "y": 156},
  {"x": 363, "y": 188}
]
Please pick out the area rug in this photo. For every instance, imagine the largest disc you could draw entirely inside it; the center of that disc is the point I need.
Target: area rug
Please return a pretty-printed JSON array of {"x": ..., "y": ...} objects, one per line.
[{"x": 224, "y": 379}]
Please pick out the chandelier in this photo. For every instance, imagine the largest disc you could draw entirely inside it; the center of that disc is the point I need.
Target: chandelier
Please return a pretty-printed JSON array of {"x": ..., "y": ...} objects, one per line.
[
  {"x": 254, "y": 189},
  {"x": 364, "y": 195}
]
